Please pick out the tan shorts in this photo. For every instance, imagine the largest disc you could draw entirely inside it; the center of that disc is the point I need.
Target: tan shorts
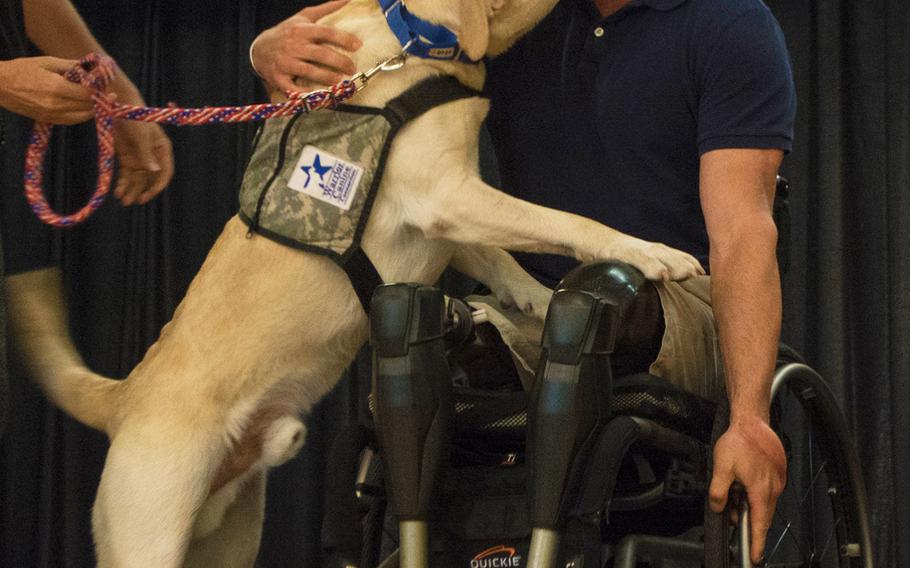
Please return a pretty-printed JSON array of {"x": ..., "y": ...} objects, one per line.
[{"x": 689, "y": 355}]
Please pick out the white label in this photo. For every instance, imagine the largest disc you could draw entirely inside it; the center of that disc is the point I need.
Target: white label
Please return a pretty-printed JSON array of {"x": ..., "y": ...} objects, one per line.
[{"x": 326, "y": 177}]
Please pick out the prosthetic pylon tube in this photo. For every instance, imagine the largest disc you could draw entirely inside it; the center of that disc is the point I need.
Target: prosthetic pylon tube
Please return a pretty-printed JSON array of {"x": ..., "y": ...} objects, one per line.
[
  {"x": 413, "y": 406},
  {"x": 571, "y": 398}
]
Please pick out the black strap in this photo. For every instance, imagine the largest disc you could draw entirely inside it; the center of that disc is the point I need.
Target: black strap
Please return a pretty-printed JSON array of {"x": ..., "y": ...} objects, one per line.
[
  {"x": 599, "y": 479},
  {"x": 363, "y": 275},
  {"x": 425, "y": 95},
  {"x": 407, "y": 106}
]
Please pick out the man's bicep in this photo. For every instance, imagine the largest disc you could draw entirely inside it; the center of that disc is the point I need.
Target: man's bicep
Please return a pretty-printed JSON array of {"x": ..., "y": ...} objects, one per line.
[{"x": 737, "y": 189}]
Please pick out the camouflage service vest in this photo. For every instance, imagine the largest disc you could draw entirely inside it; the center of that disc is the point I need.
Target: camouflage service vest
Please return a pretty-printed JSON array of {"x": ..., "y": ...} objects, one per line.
[{"x": 312, "y": 178}]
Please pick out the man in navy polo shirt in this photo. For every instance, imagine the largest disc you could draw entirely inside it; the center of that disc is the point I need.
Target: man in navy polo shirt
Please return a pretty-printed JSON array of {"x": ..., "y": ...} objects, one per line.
[{"x": 668, "y": 119}]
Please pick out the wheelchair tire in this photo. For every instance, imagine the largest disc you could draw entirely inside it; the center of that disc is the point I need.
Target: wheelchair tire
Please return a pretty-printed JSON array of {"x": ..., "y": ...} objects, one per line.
[{"x": 822, "y": 518}]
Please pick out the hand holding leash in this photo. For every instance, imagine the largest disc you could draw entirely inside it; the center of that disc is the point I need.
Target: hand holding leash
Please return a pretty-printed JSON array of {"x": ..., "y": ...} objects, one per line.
[{"x": 35, "y": 87}]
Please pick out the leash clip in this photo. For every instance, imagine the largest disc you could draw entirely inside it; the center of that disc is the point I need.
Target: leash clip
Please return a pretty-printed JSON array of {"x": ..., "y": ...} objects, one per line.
[{"x": 393, "y": 63}]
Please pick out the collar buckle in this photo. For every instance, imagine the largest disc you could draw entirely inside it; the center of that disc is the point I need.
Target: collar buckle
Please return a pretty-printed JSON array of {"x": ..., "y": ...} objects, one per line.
[{"x": 419, "y": 37}]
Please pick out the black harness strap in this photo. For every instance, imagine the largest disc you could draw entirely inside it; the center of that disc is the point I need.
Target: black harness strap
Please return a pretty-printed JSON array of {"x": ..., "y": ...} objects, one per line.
[
  {"x": 407, "y": 106},
  {"x": 427, "y": 94},
  {"x": 363, "y": 275}
]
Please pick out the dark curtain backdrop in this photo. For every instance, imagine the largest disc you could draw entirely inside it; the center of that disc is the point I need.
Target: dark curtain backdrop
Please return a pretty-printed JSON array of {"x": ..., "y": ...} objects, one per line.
[{"x": 847, "y": 295}]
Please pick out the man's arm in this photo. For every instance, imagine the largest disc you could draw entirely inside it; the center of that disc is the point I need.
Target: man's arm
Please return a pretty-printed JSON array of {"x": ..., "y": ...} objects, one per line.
[
  {"x": 144, "y": 151},
  {"x": 737, "y": 196},
  {"x": 56, "y": 28},
  {"x": 300, "y": 54}
]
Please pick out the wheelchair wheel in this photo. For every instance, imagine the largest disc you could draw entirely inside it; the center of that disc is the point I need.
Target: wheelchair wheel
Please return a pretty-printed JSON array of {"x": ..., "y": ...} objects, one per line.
[{"x": 821, "y": 520}]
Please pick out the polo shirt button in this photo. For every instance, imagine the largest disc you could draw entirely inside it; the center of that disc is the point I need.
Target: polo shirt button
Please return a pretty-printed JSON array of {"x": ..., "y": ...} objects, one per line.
[{"x": 598, "y": 32}]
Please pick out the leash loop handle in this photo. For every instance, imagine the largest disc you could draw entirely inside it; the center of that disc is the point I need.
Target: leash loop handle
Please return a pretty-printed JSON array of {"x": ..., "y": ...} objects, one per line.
[{"x": 93, "y": 72}]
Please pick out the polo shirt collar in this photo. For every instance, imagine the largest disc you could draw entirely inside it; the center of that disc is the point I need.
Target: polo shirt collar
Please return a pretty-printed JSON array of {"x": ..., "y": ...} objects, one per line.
[{"x": 662, "y": 5}]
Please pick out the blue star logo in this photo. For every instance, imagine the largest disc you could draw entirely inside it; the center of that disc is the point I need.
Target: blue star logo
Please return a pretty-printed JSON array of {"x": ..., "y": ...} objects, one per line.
[{"x": 316, "y": 167}]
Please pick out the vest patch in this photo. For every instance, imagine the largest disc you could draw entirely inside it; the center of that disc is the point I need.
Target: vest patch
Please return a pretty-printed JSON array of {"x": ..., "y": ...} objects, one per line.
[
  {"x": 326, "y": 177},
  {"x": 311, "y": 178}
]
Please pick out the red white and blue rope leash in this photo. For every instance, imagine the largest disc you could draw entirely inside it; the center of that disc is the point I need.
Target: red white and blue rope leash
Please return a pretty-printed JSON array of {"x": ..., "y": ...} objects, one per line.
[{"x": 94, "y": 72}]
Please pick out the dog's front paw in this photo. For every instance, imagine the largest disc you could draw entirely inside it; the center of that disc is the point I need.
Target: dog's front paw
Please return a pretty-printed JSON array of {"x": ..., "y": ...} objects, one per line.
[{"x": 656, "y": 261}]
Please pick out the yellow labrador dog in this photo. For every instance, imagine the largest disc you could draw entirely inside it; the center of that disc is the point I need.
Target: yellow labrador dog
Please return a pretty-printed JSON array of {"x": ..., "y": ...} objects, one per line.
[{"x": 266, "y": 330}]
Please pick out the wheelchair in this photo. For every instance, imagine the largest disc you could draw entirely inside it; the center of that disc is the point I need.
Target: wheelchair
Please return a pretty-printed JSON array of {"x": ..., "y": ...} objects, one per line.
[
  {"x": 587, "y": 470},
  {"x": 602, "y": 455}
]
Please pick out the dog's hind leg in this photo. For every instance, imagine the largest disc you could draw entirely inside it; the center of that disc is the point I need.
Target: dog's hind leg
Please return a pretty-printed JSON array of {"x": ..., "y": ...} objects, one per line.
[
  {"x": 155, "y": 479},
  {"x": 281, "y": 441},
  {"x": 235, "y": 543}
]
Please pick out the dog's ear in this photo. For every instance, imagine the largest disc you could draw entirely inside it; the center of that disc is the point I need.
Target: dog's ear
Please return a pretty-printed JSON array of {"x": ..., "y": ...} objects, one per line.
[
  {"x": 468, "y": 19},
  {"x": 474, "y": 27}
]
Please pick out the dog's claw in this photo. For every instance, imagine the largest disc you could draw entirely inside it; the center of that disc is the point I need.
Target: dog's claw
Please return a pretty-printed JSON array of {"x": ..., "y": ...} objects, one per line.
[{"x": 657, "y": 261}]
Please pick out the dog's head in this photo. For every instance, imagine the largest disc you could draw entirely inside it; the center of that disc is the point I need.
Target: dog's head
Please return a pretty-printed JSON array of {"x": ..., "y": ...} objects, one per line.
[{"x": 484, "y": 27}]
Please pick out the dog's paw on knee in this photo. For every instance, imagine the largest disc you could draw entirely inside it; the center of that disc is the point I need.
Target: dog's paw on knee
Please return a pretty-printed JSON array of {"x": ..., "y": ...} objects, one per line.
[{"x": 282, "y": 440}]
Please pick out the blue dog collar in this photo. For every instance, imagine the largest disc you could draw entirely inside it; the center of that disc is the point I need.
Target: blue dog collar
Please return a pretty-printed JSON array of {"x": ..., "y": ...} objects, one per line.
[{"x": 419, "y": 37}]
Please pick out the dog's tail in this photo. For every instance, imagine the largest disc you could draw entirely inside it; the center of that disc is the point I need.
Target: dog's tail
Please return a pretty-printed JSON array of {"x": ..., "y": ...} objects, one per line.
[{"x": 39, "y": 328}]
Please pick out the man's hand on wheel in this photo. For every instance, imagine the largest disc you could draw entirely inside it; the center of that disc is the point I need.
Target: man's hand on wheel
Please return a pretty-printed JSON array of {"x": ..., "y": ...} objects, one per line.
[{"x": 751, "y": 453}]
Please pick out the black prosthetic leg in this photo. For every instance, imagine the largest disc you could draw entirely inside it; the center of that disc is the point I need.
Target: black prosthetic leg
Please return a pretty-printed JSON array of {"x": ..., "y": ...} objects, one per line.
[
  {"x": 571, "y": 398},
  {"x": 412, "y": 394}
]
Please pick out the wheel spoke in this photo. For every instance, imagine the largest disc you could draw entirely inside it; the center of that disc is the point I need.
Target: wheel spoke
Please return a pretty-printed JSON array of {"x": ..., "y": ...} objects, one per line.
[
  {"x": 780, "y": 539},
  {"x": 802, "y": 499},
  {"x": 811, "y": 494},
  {"x": 830, "y": 538},
  {"x": 788, "y": 525},
  {"x": 784, "y": 533}
]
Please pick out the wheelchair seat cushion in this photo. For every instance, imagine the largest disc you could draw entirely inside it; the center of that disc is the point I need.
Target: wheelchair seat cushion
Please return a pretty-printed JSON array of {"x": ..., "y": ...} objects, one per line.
[
  {"x": 649, "y": 396},
  {"x": 499, "y": 418}
]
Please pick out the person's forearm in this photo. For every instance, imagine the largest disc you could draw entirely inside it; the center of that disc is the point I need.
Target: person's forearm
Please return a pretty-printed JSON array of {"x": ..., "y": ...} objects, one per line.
[
  {"x": 745, "y": 289},
  {"x": 57, "y": 29}
]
